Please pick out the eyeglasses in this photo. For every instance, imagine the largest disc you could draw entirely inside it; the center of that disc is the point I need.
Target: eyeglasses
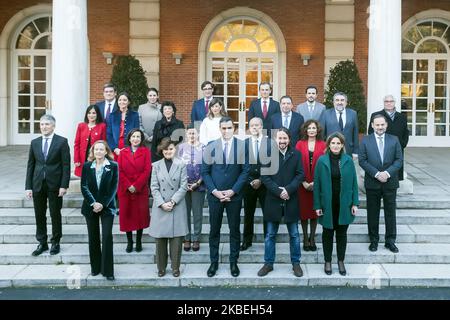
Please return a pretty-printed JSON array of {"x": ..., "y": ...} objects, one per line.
[{"x": 207, "y": 88}]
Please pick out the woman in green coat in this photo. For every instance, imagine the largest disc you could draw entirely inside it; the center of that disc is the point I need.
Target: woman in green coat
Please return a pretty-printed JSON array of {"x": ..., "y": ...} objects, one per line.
[{"x": 335, "y": 198}]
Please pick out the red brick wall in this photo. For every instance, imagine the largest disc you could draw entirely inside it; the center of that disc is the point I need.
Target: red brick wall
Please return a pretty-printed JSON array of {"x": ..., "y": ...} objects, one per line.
[{"x": 183, "y": 21}]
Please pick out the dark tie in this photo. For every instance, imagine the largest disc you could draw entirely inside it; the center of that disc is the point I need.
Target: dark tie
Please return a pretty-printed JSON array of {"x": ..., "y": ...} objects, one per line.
[
  {"x": 256, "y": 151},
  {"x": 45, "y": 148},
  {"x": 225, "y": 153},
  {"x": 341, "y": 123},
  {"x": 264, "y": 109},
  {"x": 206, "y": 106},
  {"x": 107, "y": 111},
  {"x": 192, "y": 155}
]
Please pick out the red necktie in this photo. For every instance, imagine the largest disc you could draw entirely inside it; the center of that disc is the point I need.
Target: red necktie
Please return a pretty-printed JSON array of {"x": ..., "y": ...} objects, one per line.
[
  {"x": 206, "y": 106},
  {"x": 264, "y": 109}
]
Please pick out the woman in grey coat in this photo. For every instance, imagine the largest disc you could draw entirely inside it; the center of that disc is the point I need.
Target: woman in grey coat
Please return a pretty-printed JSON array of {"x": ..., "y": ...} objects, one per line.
[
  {"x": 149, "y": 114},
  {"x": 168, "y": 216}
]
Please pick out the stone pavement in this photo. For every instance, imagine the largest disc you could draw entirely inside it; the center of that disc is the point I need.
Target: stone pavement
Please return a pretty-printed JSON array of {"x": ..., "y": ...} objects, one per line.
[{"x": 423, "y": 239}]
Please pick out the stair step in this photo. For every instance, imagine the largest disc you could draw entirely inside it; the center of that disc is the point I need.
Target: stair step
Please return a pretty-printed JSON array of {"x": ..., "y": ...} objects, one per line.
[{"x": 380, "y": 275}]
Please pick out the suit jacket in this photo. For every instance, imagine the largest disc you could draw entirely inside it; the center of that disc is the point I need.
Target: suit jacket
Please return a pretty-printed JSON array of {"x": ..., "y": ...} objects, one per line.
[
  {"x": 106, "y": 194},
  {"x": 289, "y": 175},
  {"x": 223, "y": 176},
  {"x": 370, "y": 161},
  {"x": 82, "y": 140},
  {"x": 55, "y": 169},
  {"x": 398, "y": 127},
  {"x": 113, "y": 126},
  {"x": 198, "y": 110},
  {"x": 294, "y": 127},
  {"x": 330, "y": 124},
  {"x": 166, "y": 186},
  {"x": 101, "y": 105},
  {"x": 253, "y": 161},
  {"x": 303, "y": 109},
  {"x": 255, "y": 110}
]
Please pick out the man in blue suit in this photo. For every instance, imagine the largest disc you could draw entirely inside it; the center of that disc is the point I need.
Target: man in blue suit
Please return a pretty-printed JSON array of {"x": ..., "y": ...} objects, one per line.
[
  {"x": 225, "y": 172},
  {"x": 292, "y": 121},
  {"x": 200, "y": 107},
  {"x": 264, "y": 107},
  {"x": 380, "y": 156},
  {"x": 344, "y": 120},
  {"x": 109, "y": 105}
]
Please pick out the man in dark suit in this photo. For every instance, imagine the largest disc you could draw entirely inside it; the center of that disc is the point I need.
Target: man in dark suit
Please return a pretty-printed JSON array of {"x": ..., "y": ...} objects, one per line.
[
  {"x": 200, "y": 107},
  {"x": 381, "y": 157},
  {"x": 109, "y": 105},
  {"x": 48, "y": 175},
  {"x": 344, "y": 120},
  {"x": 264, "y": 107},
  {"x": 225, "y": 172},
  {"x": 256, "y": 152},
  {"x": 292, "y": 121},
  {"x": 397, "y": 125}
]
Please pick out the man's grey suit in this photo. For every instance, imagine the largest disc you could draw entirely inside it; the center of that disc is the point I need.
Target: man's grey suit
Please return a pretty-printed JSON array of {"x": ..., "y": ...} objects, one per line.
[{"x": 303, "y": 109}]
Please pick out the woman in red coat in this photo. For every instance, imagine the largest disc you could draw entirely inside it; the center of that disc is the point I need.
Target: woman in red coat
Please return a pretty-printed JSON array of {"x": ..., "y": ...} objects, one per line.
[
  {"x": 311, "y": 147},
  {"x": 134, "y": 172},
  {"x": 92, "y": 129}
]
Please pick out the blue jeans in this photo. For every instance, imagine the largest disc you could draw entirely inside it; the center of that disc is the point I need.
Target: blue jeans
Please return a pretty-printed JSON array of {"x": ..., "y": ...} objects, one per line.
[{"x": 270, "y": 241}]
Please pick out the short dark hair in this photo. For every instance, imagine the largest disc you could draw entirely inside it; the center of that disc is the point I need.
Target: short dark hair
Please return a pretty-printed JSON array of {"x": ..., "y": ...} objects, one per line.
[
  {"x": 124, "y": 93},
  {"x": 97, "y": 110},
  {"x": 170, "y": 104},
  {"x": 164, "y": 145},
  {"x": 286, "y": 97},
  {"x": 285, "y": 130},
  {"x": 304, "y": 129},
  {"x": 377, "y": 116},
  {"x": 341, "y": 138},
  {"x": 264, "y": 83},
  {"x": 205, "y": 83},
  {"x": 225, "y": 119},
  {"x": 154, "y": 90},
  {"x": 311, "y": 87},
  {"x": 109, "y": 85},
  {"x": 131, "y": 133}
]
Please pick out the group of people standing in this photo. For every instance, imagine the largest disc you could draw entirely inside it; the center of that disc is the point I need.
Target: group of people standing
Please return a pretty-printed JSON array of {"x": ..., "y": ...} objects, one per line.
[{"x": 122, "y": 156}]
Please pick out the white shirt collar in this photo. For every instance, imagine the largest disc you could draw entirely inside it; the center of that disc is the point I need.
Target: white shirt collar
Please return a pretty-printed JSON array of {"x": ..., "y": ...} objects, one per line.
[
  {"x": 286, "y": 114},
  {"x": 382, "y": 136},
  {"x": 50, "y": 137},
  {"x": 337, "y": 112},
  {"x": 105, "y": 163},
  {"x": 113, "y": 102}
]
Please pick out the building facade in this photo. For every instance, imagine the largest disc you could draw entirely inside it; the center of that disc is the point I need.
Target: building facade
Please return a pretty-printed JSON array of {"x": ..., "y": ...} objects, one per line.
[{"x": 53, "y": 55}]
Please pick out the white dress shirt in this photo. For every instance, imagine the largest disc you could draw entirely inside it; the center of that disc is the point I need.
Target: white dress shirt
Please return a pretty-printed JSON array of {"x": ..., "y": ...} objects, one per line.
[
  {"x": 107, "y": 106},
  {"x": 344, "y": 117},
  {"x": 262, "y": 104},
  {"x": 289, "y": 116},
  {"x": 50, "y": 138},
  {"x": 230, "y": 144}
]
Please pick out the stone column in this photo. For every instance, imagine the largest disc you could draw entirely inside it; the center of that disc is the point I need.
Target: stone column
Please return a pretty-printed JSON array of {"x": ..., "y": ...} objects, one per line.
[
  {"x": 69, "y": 66},
  {"x": 385, "y": 57}
]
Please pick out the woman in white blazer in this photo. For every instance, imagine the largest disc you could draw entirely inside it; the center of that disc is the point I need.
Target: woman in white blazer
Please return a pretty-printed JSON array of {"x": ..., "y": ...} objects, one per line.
[
  {"x": 210, "y": 129},
  {"x": 168, "y": 216}
]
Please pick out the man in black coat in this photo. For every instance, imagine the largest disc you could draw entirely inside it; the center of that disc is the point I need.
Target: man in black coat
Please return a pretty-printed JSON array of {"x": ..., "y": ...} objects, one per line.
[
  {"x": 48, "y": 175},
  {"x": 397, "y": 125},
  {"x": 282, "y": 201},
  {"x": 264, "y": 107}
]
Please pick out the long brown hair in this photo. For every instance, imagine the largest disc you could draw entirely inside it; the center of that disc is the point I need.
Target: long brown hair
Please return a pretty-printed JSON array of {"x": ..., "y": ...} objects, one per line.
[
  {"x": 109, "y": 155},
  {"x": 341, "y": 138}
]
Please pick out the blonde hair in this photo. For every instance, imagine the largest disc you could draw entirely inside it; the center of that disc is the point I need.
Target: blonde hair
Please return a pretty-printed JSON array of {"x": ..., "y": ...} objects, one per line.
[{"x": 109, "y": 155}]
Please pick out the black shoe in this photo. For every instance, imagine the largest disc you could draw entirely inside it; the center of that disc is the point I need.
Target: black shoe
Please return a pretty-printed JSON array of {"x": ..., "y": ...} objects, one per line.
[
  {"x": 138, "y": 246},
  {"x": 129, "y": 247},
  {"x": 110, "y": 278},
  {"x": 373, "y": 246},
  {"x": 95, "y": 274},
  {"x": 327, "y": 268},
  {"x": 266, "y": 268},
  {"x": 392, "y": 247},
  {"x": 40, "y": 248},
  {"x": 212, "y": 269},
  {"x": 234, "y": 269},
  {"x": 306, "y": 248},
  {"x": 245, "y": 246},
  {"x": 341, "y": 267},
  {"x": 298, "y": 272},
  {"x": 55, "y": 249}
]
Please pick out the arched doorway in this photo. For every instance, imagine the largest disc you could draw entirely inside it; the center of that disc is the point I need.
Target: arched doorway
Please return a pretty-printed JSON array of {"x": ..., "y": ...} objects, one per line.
[
  {"x": 425, "y": 82},
  {"x": 30, "y": 77}
]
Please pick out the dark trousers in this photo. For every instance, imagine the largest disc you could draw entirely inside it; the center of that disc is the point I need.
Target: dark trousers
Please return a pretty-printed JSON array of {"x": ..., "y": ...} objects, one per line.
[
  {"x": 341, "y": 242},
  {"x": 250, "y": 197},
  {"x": 233, "y": 209},
  {"x": 102, "y": 259},
  {"x": 175, "y": 245},
  {"x": 40, "y": 211},
  {"x": 374, "y": 197}
]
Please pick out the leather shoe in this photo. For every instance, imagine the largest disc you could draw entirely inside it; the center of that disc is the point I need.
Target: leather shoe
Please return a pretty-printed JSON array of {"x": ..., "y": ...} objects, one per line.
[
  {"x": 392, "y": 247},
  {"x": 341, "y": 267},
  {"x": 212, "y": 269},
  {"x": 298, "y": 272},
  {"x": 176, "y": 273},
  {"x": 161, "y": 273},
  {"x": 245, "y": 246},
  {"x": 138, "y": 246},
  {"x": 40, "y": 248},
  {"x": 373, "y": 246},
  {"x": 196, "y": 246},
  {"x": 234, "y": 269},
  {"x": 187, "y": 245},
  {"x": 110, "y": 278},
  {"x": 129, "y": 247},
  {"x": 266, "y": 268},
  {"x": 327, "y": 268},
  {"x": 95, "y": 274},
  {"x": 55, "y": 249}
]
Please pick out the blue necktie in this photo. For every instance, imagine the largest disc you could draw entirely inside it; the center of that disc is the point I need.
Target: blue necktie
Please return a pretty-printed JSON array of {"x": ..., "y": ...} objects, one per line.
[
  {"x": 45, "y": 148},
  {"x": 256, "y": 151},
  {"x": 286, "y": 124},
  {"x": 341, "y": 123}
]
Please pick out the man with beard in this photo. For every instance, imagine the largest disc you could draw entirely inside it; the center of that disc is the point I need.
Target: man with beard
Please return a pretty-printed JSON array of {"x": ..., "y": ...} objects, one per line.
[{"x": 311, "y": 109}]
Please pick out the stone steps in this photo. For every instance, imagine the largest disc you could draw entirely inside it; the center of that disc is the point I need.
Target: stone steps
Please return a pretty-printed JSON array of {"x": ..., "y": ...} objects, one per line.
[
  {"x": 412, "y": 253},
  {"x": 356, "y": 233},
  {"x": 23, "y": 216},
  {"x": 379, "y": 275}
]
